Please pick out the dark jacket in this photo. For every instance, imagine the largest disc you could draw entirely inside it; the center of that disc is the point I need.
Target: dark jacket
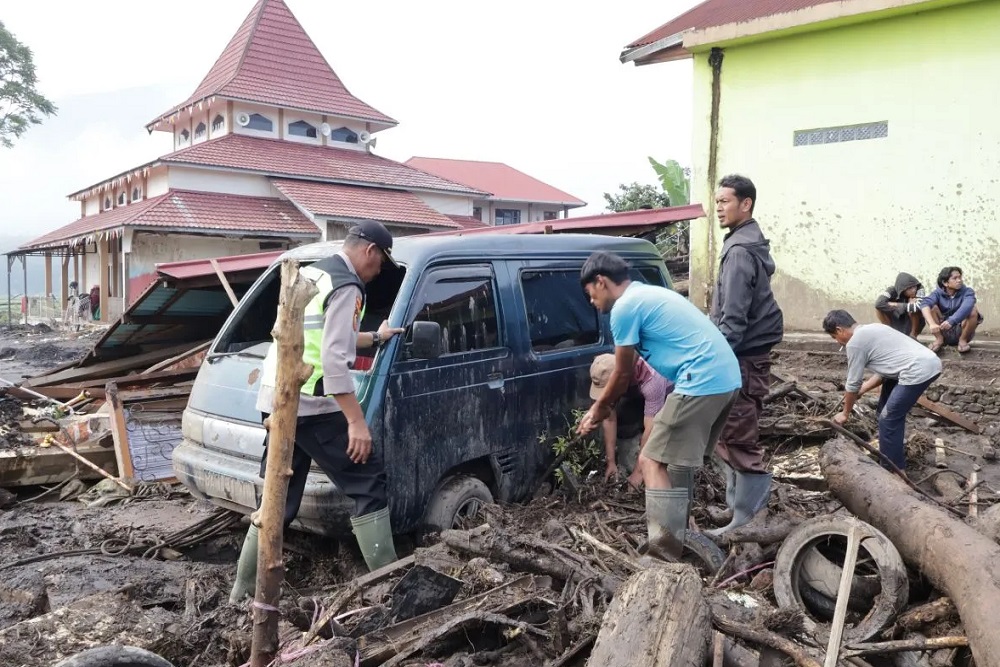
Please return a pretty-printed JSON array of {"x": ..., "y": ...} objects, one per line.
[
  {"x": 743, "y": 305},
  {"x": 894, "y": 293},
  {"x": 955, "y": 308}
]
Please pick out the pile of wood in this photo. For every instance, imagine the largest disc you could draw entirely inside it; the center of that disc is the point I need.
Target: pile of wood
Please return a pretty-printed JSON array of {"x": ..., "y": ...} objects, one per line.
[{"x": 117, "y": 418}]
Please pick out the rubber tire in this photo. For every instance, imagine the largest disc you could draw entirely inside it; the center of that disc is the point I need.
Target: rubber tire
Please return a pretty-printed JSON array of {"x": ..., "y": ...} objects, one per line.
[
  {"x": 450, "y": 497},
  {"x": 710, "y": 557},
  {"x": 115, "y": 656},
  {"x": 892, "y": 574}
]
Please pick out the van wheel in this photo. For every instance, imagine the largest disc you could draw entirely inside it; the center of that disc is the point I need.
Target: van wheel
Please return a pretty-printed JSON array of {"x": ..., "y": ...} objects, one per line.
[{"x": 459, "y": 499}]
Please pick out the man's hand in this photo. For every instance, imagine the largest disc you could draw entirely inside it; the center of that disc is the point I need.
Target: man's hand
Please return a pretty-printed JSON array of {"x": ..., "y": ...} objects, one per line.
[
  {"x": 359, "y": 441},
  {"x": 594, "y": 416},
  {"x": 386, "y": 332},
  {"x": 840, "y": 418},
  {"x": 935, "y": 329},
  {"x": 945, "y": 326},
  {"x": 611, "y": 472},
  {"x": 635, "y": 479}
]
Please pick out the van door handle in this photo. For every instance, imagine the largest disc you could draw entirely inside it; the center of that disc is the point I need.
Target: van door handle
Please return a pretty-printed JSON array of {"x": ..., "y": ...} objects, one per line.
[{"x": 495, "y": 380}]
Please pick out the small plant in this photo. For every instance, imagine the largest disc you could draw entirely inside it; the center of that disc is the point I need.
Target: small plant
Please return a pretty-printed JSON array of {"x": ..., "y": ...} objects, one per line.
[{"x": 582, "y": 454}]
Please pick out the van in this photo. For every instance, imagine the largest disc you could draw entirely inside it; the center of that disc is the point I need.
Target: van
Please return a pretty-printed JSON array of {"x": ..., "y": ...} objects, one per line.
[{"x": 500, "y": 338}]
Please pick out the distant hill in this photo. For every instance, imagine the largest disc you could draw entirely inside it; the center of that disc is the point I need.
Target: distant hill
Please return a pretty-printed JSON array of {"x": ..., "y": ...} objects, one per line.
[{"x": 36, "y": 269}]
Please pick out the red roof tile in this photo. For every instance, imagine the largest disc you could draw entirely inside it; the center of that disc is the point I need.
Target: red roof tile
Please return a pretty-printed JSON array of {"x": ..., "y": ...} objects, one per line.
[
  {"x": 272, "y": 60},
  {"x": 199, "y": 268},
  {"x": 360, "y": 203},
  {"x": 713, "y": 13},
  {"x": 287, "y": 158},
  {"x": 630, "y": 221},
  {"x": 504, "y": 182},
  {"x": 467, "y": 221},
  {"x": 191, "y": 211}
]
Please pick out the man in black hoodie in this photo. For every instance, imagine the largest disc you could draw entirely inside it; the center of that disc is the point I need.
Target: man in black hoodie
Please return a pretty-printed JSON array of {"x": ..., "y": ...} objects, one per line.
[
  {"x": 744, "y": 309},
  {"x": 899, "y": 305}
]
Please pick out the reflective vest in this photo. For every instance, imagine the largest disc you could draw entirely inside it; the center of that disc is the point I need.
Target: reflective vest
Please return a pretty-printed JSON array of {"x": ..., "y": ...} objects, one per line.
[{"x": 329, "y": 275}]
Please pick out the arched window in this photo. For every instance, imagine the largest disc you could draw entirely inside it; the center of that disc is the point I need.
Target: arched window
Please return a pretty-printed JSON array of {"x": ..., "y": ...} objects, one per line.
[
  {"x": 259, "y": 122},
  {"x": 107, "y": 203},
  {"x": 136, "y": 194},
  {"x": 199, "y": 131},
  {"x": 345, "y": 135},
  {"x": 300, "y": 128},
  {"x": 185, "y": 135},
  {"x": 218, "y": 123},
  {"x": 121, "y": 198}
]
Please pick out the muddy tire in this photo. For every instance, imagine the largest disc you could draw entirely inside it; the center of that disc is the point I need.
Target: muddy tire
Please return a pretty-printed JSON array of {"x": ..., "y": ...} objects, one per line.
[
  {"x": 458, "y": 498},
  {"x": 708, "y": 557},
  {"x": 874, "y": 545},
  {"x": 114, "y": 656}
]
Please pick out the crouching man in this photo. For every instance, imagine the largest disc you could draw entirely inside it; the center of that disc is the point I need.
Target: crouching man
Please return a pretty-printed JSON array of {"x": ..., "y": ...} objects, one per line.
[
  {"x": 331, "y": 427},
  {"x": 906, "y": 369},
  {"x": 680, "y": 343}
]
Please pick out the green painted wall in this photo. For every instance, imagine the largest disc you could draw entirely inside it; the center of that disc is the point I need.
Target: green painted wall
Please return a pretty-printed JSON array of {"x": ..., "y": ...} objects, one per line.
[{"x": 844, "y": 218}]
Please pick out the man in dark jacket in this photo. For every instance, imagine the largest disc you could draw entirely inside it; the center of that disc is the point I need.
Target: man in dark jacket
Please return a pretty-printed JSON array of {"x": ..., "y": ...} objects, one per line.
[
  {"x": 899, "y": 306},
  {"x": 951, "y": 311},
  {"x": 744, "y": 309}
]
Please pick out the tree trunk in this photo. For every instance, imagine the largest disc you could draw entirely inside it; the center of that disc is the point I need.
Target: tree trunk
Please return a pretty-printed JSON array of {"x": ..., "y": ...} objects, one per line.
[
  {"x": 658, "y": 618},
  {"x": 296, "y": 292},
  {"x": 955, "y": 557}
]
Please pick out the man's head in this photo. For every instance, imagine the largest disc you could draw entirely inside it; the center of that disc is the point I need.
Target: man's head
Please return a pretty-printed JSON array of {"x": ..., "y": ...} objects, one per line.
[
  {"x": 840, "y": 325},
  {"x": 950, "y": 278},
  {"x": 735, "y": 200},
  {"x": 604, "y": 277},
  {"x": 369, "y": 245},
  {"x": 600, "y": 373}
]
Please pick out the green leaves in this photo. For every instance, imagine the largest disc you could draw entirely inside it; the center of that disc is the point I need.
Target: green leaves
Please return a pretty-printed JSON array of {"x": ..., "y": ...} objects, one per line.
[
  {"x": 21, "y": 106},
  {"x": 636, "y": 196},
  {"x": 674, "y": 181}
]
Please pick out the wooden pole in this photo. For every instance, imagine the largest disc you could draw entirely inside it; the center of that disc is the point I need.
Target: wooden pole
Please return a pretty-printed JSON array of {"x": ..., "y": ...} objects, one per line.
[
  {"x": 225, "y": 282},
  {"x": 840, "y": 611},
  {"x": 292, "y": 372}
]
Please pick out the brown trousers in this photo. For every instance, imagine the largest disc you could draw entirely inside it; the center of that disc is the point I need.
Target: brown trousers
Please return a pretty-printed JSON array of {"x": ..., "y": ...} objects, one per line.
[{"x": 739, "y": 444}]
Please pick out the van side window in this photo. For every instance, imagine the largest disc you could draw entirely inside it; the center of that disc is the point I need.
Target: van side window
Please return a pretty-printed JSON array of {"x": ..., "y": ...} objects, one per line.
[
  {"x": 559, "y": 315},
  {"x": 466, "y": 309},
  {"x": 648, "y": 274}
]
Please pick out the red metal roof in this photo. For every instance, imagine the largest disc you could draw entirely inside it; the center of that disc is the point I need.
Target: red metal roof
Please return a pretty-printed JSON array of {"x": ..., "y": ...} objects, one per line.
[
  {"x": 713, "y": 13},
  {"x": 467, "y": 221},
  {"x": 287, "y": 158},
  {"x": 197, "y": 268},
  {"x": 634, "y": 221},
  {"x": 272, "y": 60},
  {"x": 503, "y": 181},
  {"x": 359, "y": 203},
  {"x": 191, "y": 211}
]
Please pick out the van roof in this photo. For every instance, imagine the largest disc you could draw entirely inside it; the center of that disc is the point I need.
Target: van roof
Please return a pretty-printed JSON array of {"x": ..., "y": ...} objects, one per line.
[{"x": 417, "y": 250}]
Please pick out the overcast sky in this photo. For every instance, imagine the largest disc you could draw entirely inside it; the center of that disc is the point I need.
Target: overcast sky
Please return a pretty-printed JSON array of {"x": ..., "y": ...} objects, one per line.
[{"x": 533, "y": 83}]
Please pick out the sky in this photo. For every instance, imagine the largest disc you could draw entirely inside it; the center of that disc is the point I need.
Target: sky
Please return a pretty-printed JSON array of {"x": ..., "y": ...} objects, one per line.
[{"x": 535, "y": 84}]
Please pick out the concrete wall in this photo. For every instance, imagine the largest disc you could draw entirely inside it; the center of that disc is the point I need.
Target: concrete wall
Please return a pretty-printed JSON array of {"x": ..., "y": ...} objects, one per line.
[
  {"x": 203, "y": 180},
  {"x": 447, "y": 204},
  {"x": 844, "y": 218}
]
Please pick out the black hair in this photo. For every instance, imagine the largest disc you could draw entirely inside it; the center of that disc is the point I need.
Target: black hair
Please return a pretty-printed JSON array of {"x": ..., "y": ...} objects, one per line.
[
  {"x": 946, "y": 273},
  {"x": 606, "y": 264},
  {"x": 742, "y": 186},
  {"x": 837, "y": 319}
]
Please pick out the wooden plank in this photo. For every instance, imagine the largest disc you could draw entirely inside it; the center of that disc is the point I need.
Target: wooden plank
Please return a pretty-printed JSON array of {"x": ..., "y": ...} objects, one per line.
[
  {"x": 106, "y": 369},
  {"x": 167, "y": 363},
  {"x": 225, "y": 283},
  {"x": 32, "y": 466},
  {"x": 948, "y": 415},
  {"x": 60, "y": 393},
  {"x": 119, "y": 432},
  {"x": 137, "y": 380}
]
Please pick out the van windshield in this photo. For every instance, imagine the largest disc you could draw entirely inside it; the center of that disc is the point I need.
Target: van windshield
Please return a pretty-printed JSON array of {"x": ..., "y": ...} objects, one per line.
[{"x": 248, "y": 334}]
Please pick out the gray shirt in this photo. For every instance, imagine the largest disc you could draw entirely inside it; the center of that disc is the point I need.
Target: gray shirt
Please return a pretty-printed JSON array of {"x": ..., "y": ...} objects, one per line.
[
  {"x": 891, "y": 354},
  {"x": 340, "y": 340}
]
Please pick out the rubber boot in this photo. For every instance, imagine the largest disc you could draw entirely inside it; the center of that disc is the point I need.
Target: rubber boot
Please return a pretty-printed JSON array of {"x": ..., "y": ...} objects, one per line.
[
  {"x": 751, "y": 493},
  {"x": 666, "y": 522},
  {"x": 374, "y": 535},
  {"x": 730, "y": 485},
  {"x": 246, "y": 569},
  {"x": 682, "y": 477}
]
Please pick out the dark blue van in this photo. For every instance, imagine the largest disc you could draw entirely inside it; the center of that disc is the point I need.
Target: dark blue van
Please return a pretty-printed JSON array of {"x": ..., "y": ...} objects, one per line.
[{"x": 458, "y": 421}]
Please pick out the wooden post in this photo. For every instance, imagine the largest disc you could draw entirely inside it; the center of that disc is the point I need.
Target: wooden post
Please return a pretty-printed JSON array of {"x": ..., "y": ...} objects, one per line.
[
  {"x": 64, "y": 284},
  {"x": 48, "y": 275},
  {"x": 288, "y": 334},
  {"x": 843, "y": 593},
  {"x": 225, "y": 282},
  {"x": 103, "y": 270}
]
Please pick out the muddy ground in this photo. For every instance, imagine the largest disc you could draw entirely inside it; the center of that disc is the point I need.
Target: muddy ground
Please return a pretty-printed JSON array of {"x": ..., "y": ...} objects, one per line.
[
  {"x": 181, "y": 596},
  {"x": 27, "y": 350}
]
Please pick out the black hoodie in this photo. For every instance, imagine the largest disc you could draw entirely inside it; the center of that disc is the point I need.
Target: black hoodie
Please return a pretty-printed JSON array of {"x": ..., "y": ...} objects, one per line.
[
  {"x": 894, "y": 293},
  {"x": 743, "y": 305}
]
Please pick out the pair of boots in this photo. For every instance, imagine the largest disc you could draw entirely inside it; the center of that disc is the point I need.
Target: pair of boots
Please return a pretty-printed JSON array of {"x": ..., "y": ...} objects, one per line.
[
  {"x": 667, "y": 514},
  {"x": 746, "y": 494},
  {"x": 373, "y": 532}
]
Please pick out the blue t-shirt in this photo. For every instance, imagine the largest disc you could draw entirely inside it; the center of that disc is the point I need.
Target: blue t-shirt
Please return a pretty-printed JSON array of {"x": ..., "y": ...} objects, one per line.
[{"x": 676, "y": 339}]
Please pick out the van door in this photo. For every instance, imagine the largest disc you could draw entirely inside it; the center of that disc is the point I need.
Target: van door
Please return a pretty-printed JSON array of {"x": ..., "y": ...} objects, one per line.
[{"x": 449, "y": 411}]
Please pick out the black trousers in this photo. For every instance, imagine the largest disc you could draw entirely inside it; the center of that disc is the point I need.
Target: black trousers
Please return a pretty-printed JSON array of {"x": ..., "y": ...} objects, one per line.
[{"x": 323, "y": 439}]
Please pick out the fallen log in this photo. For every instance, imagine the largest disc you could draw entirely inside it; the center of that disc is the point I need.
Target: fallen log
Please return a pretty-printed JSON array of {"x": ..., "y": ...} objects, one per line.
[
  {"x": 761, "y": 636},
  {"x": 955, "y": 557},
  {"x": 658, "y": 618},
  {"x": 919, "y": 644},
  {"x": 927, "y": 614}
]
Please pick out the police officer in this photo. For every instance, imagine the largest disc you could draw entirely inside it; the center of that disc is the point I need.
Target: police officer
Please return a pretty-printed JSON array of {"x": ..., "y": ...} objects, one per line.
[{"x": 331, "y": 427}]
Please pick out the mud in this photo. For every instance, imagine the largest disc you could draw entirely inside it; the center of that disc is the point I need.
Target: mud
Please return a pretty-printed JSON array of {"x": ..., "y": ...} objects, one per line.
[{"x": 31, "y": 350}]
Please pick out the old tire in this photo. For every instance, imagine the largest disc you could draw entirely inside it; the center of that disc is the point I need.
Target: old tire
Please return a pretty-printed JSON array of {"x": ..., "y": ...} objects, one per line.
[
  {"x": 114, "y": 656},
  {"x": 709, "y": 557},
  {"x": 874, "y": 544},
  {"x": 458, "y": 498}
]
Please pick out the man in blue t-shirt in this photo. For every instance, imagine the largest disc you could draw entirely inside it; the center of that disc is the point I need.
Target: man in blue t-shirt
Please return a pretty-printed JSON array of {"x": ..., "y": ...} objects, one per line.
[{"x": 682, "y": 345}]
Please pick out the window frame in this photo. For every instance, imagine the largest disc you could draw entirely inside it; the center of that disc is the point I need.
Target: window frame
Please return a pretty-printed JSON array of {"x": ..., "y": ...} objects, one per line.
[
  {"x": 574, "y": 271},
  {"x": 250, "y": 123},
  {"x": 306, "y": 127},
  {"x": 350, "y": 133},
  {"x": 200, "y": 130},
  {"x": 496, "y": 216},
  {"x": 218, "y": 123}
]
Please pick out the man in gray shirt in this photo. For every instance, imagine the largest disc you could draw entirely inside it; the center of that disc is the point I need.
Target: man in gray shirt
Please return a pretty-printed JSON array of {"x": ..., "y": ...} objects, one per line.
[{"x": 903, "y": 367}]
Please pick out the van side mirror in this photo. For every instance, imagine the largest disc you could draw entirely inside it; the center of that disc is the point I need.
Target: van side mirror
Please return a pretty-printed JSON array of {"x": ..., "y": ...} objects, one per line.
[{"x": 425, "y": 340}]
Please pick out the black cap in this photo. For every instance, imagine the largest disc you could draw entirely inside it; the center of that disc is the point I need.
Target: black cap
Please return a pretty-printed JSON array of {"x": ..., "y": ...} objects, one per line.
[{"x": 375, "y": 232}]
